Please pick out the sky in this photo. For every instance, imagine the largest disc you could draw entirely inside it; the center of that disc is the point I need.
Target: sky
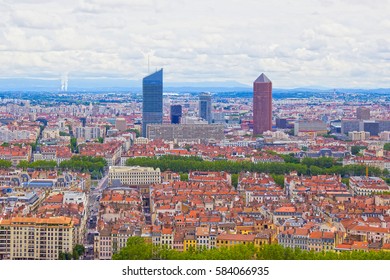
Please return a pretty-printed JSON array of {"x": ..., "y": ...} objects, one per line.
[{"x": 341, "y": 43}]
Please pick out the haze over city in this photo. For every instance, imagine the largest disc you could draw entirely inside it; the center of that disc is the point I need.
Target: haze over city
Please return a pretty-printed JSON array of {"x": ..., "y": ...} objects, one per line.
[{"x": 299, "y": 43}]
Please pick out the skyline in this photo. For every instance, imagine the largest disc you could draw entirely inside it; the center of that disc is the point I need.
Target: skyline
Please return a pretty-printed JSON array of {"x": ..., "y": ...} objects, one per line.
[{"x": 313, "y": 43}]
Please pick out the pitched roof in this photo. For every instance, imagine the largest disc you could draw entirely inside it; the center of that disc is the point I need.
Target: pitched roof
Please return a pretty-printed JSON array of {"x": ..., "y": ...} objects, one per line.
[{"x": 263, "y": 79}]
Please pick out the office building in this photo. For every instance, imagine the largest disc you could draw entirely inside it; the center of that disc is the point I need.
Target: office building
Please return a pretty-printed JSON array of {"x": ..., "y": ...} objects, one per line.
[
  {"x": 262, "y": 105},
  {"x": 176, "y": 113},
  {"x": 24, "y": 238},
  {"x": 186, "y": 132},
  {"x": 134, "y": 175},
  {"x": 205, "y": 107},
  {"x": 363, "y": 113},
  {"x": 281, "y": 123},
  {"x": 349, "y": 126},
  {"x": 305, "y": 126},
  {"x": 152, "y": 104},
  {"x": 370, "y": 126}
]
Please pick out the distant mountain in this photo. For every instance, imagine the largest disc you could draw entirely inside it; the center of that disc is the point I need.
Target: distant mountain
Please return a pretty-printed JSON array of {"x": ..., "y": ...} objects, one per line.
[{"x": 127, "y": 85}]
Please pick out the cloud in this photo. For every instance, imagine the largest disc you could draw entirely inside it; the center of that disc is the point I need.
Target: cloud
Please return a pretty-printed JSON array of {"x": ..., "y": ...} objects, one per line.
[{"x": 297, "y": 44}]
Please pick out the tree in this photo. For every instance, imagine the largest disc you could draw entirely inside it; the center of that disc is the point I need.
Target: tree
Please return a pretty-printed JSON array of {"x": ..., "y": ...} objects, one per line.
[
  {"x": 5, "y": 163},
  {"x": 386, "y": 146},
  {"x": 78, "y": 251},
  {"x": 356, "y": 149},
  {"x": 136, "y": 249},
  {"x": 234, "y": 180},
  {"x": 100, "y": 139},
  {"x": 279, "y": 179},
  {"x": 183, "y": 177},
  {"x": 73, "y": 145},
  {"x": 136, "y": 131},
  {"x": 24, "y": 164}
]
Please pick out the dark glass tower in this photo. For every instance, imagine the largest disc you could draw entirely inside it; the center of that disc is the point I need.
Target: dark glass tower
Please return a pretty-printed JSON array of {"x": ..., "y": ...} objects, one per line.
[
  {"x": 205, "y": 106},
  {"x": 262, "y": 105},
  {"x": 176, "y": 114},
  {"x": 152, "y": 91}
]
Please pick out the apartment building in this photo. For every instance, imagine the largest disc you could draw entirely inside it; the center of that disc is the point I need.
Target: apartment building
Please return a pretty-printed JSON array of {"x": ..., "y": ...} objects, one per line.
[{"x": 23, "y": 238}]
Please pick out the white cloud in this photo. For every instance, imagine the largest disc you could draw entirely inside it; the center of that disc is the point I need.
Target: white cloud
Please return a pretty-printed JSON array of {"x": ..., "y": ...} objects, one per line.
[{"x": 297, "y": 43}]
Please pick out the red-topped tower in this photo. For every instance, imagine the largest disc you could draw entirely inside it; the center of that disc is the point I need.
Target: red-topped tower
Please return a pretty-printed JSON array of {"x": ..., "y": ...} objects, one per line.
[{"x": 262, "y": 105}]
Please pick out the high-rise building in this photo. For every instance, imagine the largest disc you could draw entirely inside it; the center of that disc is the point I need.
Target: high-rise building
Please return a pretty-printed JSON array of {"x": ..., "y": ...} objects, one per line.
[
  {"x": 205, "y": 107},
  {"x": 152, "y": 91},
  {"x": 363, "y": 113},
  {"x": 176, "y": 113},
  {"x": 262, "y": 105}
]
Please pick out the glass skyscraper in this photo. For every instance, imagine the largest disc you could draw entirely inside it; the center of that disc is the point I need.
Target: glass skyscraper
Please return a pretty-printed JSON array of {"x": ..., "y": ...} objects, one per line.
[
  {"x": 205, "y": 107},
  {"x": 152, "y": 104},
  {"x": 176, "y": 114}
]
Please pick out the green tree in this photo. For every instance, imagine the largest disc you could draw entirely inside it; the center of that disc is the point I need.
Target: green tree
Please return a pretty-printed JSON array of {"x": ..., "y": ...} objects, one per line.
[
  {"x": 73, "y": 145},
  {"x": 24, "y": 164},
  {"x": 279, "y": 179},
  {"x": 136, "y": 249},
  {"x": 386, "y": 146},
  {"x": 136, "y": 131},
  {"x": 183, "y": 177},
  {"x": 5, "y": 163},
  {"x": 78, "y": 251},
  {"x": 356, "y": 149}
]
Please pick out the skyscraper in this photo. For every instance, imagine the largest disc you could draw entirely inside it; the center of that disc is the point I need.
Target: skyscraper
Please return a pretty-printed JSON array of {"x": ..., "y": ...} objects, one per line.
[
  {"x": 262, "y": 105},
  {"x": 205, "y": 106},
  {"x": 176, "y": 113},
  {"x": 152, "y": 92}
]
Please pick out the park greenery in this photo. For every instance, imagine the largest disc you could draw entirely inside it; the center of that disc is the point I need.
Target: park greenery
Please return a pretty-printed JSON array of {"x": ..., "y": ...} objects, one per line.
[
  {"x": 386, "y": 147},
  {"x": 137, "y": 249},
  {"x": 39, "y": 164},
  {"x": 93, "y": 165},
  {"x": 308, "y": 166}
]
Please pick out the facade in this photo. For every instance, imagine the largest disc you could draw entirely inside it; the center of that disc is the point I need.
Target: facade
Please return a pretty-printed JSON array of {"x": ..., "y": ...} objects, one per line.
[
  {"x": 262, "y": 105},
  {"x": 88, "y": 133},
  {"x": 176, "y": 113},
  {"x": 349, "y": 126},
  {"x": 363, "y": 113},
  {"x": 367, "y": 185},
  {"x": 309, "y": 126},
  {"x": 374, "y": 127},
  {"x": 186, "y": 132},
  {"x": 23, "y": 238},
  {"x": 205, "y": 107},
  {"x": 358, "y": 135},
  {"x": 134, "y": 175},
  {"x": 152, "y": 104}
]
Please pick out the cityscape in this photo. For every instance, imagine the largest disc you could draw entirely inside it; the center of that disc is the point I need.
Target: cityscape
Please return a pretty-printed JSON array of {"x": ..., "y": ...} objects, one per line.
[
  {"x": 237, "y": 142},
  {"x": 82, "y": 175}
]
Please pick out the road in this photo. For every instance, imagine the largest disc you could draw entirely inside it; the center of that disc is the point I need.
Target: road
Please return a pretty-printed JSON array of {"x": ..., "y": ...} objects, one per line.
[{"x": 92, "y": 216}]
